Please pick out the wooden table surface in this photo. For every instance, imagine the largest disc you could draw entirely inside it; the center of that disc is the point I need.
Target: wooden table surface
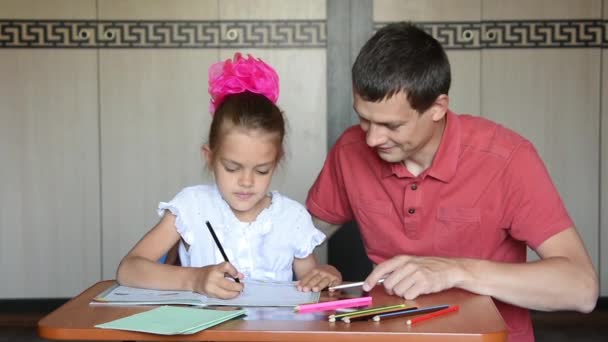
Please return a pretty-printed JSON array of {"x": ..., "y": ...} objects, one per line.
[{"x": 477, "y": 320}]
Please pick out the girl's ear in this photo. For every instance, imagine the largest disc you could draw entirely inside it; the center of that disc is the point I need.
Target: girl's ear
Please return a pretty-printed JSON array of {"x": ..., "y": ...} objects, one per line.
[{"x": 206, "y": 153}]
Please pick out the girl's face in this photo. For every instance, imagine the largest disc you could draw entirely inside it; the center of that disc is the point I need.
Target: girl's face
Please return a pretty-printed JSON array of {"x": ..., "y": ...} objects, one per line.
[{"x": 243, "y": 165}]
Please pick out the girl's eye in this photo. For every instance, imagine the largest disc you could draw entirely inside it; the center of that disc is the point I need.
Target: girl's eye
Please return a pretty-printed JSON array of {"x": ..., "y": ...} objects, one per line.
[
  {"x": 230, "y": 169},
  {"x": 263, "y": 172}
]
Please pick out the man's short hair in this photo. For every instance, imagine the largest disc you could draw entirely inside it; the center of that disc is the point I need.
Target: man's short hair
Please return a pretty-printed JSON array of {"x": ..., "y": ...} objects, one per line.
[{"x": 402, "y": 57}]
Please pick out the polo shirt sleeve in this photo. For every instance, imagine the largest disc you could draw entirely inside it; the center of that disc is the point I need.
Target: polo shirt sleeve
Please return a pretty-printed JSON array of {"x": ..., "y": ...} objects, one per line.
[
  {"x": 535, "y": 210},
  {"x": 327, "y": 198}
]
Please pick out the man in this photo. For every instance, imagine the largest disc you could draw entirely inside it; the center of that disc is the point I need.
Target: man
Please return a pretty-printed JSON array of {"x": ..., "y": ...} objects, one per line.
[{"x": 444, "y": 200}]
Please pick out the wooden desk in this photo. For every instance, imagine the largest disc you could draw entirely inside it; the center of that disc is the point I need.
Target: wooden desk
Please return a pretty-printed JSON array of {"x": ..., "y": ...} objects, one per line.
[{"x": 477, "y": 320}]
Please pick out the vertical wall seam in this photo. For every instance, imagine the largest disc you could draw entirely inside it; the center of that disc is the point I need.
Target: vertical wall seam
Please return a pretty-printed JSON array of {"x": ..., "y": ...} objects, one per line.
[
  {"x": 99, "y": 151},
  {"x": 600, "y": 151}
]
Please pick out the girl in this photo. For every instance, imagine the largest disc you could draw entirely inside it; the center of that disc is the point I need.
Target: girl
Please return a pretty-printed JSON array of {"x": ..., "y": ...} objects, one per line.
[{"x": 265, "y": 235}]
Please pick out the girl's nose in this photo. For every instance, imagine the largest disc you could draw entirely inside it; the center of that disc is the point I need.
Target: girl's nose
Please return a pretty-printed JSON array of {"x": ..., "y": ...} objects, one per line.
[{"x": 246, "y": 179}]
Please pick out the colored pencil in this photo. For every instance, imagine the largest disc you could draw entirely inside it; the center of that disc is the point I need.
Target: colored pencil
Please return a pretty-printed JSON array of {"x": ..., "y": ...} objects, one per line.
[
  {"x": 369, "y": 315},
  {"x": 368, "y": 310},
  {"x": 335, "y": 304},
  {"x": 432, "y": 315},
  {"x": 402, "y": 313},
  {"x": 219, "y": 246},
  {"x": 346, "y": 286}
]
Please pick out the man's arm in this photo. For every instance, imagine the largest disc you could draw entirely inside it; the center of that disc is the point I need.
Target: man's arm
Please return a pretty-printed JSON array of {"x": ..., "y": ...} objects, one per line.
[
  {"x": 327, "y": 228},
  {"x": 564, "y": 279}
]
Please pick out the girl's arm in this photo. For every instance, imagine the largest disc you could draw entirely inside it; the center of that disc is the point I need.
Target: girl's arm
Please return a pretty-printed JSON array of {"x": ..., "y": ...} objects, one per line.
[
  {"x": 314, "y": 277},
  {"x": 139, "y": 268}
]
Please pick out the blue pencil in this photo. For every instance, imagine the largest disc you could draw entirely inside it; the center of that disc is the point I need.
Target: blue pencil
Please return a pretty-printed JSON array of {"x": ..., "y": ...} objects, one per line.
[{"x": 406, "y": 312}]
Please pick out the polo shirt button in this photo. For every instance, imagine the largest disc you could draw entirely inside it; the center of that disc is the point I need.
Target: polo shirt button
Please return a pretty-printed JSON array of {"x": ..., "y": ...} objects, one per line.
[
  {"x": 411, "y": 210},
  {"x": 414, "y": 186}
]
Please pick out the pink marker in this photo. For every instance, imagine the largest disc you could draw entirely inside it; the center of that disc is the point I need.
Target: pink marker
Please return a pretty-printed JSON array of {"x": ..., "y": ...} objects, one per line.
[{"x": 335, "y": 304}]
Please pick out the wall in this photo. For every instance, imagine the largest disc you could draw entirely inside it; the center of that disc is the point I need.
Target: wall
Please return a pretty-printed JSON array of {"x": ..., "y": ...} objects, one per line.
[{"x": 103, "y": 107}]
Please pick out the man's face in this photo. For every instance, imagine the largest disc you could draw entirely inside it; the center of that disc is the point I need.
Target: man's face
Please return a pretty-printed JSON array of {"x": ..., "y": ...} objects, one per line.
[{"x": 395, "y": 130}]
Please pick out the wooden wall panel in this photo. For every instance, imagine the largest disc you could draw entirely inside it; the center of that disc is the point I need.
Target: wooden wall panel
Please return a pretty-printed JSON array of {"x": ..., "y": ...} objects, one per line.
[
  {"x": 49, "y": 147},
  {"x": 465, "y": 64},
  {"x": 154, "y": 114},
  {"x": 551, "y": 96}
]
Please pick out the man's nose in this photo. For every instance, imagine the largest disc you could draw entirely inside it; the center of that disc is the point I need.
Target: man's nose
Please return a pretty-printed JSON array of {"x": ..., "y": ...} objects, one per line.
[{"x": 374, "y": 136}]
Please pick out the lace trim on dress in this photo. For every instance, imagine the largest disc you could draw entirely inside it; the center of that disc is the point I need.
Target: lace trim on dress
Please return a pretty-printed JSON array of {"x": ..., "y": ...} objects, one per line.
[{"x": 185, "y": 233}]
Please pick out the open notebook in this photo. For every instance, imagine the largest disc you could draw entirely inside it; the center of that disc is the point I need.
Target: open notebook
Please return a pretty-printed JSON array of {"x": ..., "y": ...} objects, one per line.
[
  {"x": 171, "y": 320},
  {"x": 255, "y": 293}
]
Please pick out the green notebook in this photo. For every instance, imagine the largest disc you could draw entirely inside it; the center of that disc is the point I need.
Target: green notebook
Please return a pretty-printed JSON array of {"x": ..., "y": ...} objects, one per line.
[{"x": 172, "y": 320}]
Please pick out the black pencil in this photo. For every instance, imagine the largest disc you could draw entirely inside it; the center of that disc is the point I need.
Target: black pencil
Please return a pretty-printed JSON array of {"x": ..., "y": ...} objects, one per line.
[
  {"x": 369, "y": 315},
  {"x": 410, "y": 312},
  {"x": 219, "y": 246}
]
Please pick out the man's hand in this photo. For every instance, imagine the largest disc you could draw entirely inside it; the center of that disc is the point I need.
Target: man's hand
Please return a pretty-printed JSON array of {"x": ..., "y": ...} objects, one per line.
[
  {"x": 319, "y": 278},
  {"x": 211, "y": 281},
  {"x": 411, "y": 276}
]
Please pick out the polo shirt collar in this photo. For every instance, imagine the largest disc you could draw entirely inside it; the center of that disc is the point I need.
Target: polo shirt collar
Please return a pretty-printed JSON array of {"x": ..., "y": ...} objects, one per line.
[{"x": 446, "y": 159}]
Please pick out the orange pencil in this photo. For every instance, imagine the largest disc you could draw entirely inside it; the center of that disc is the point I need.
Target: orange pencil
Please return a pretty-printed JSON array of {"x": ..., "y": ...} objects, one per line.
[{"x": 432, "y": 314}]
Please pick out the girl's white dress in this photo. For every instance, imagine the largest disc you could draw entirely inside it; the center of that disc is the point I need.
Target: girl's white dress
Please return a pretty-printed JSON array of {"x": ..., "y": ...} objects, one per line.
[{"x": 261, "y": 250}]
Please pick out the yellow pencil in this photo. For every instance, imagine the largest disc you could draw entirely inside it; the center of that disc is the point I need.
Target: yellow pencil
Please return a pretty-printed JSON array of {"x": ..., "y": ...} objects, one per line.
[
  {"x": 359, "y": 312},
  {"x": 369, "y": 315}
]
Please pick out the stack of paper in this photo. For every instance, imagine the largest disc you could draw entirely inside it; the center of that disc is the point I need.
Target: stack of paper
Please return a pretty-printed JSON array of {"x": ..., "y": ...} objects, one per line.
[{"x": 171, "y": 320}]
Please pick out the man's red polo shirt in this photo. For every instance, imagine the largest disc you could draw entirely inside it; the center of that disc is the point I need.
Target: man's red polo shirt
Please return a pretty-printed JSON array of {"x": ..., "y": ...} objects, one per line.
[{"x": 487, "y": 195}]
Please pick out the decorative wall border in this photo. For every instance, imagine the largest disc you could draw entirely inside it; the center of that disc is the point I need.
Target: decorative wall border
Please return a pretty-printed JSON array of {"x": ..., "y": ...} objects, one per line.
[
  {"x": 517, "y": 34},
  {"x": 162, "y": 34},
  {"x": 280, "y": 34}
]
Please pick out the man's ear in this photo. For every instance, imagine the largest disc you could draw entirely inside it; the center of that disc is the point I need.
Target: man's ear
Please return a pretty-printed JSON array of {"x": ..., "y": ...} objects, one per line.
[
  {"x": 440, "y": 107},
  {"x": 206, "y": 153}
]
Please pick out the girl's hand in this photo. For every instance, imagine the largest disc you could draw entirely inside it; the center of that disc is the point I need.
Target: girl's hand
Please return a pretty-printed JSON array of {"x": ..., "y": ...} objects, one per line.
[
  {"x": 211, "y": 281},
  {"x": 319, "y": 278}
]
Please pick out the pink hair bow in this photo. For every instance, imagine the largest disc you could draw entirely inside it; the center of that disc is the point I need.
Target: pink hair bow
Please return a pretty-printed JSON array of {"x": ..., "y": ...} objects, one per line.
[{"x": 240, "y": 74}]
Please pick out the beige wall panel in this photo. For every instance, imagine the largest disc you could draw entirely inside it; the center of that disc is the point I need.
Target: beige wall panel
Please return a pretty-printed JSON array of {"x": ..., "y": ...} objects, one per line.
[
  {"x": 465, "y": 64},
  {"x": 427, "y": 10},
  {"x": 465, "y": 88},
  {"x": 154, "y": 117},
  {"x": 303, "y": 100},
  {"x": 551, "y": 97},
  {"x": 158, "y": 9},
  {"x": 541, "y": 9},
  {"x": 49, "y": 194},
  {"x": 272, "y": 9},
  {"x": 47, "y": 9}
]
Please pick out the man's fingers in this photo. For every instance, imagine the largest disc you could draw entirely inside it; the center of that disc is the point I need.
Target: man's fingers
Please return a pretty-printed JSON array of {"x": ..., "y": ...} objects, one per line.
[{"x": 384, "y": 270}]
